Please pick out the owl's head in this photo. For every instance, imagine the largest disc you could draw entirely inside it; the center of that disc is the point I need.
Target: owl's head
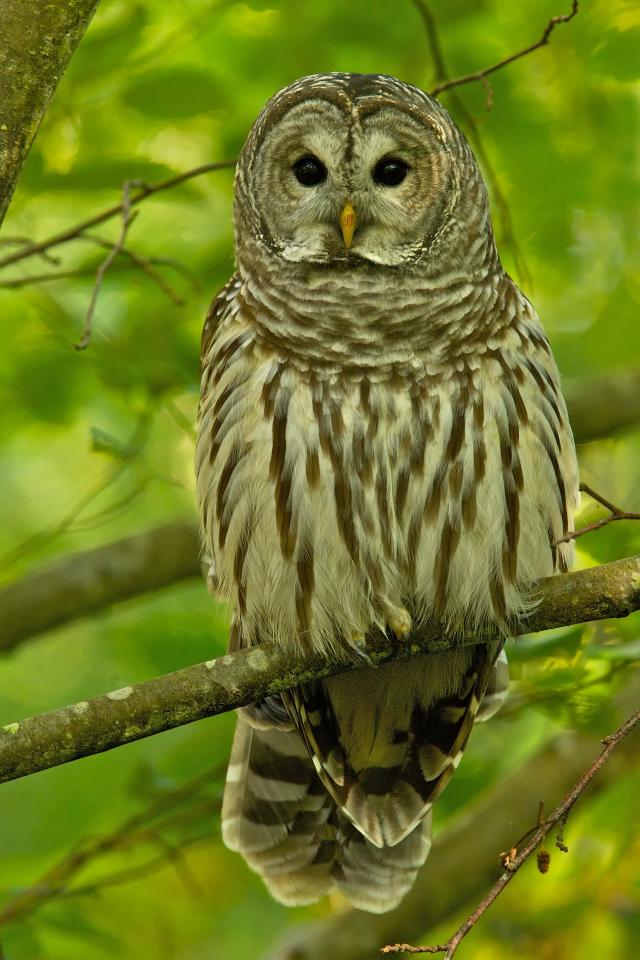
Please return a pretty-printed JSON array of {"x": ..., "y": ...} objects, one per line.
[{"x": 348, "y": 169}]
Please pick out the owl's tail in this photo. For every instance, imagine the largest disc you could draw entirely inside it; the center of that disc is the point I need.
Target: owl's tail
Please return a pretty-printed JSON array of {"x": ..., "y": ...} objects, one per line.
[
  {"x": 336, "y": 790},
  {"x": 278, "y": 815}
]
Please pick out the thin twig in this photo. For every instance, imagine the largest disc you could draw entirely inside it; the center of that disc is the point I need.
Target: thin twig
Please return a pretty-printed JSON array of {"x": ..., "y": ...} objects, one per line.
[
  {"x": 481, "y": 74},
  {"x": 615, "y": 513},
  {"x": 146, "y": 264},
  {"x": 128, "y": 216},
  {"x": 502, "y": 206},
  {"x": 559, "y": 815},
  {"x": 142, "y": 192},
  {"x": 15, "y": 283},
  {"x": 130, "y": 452},
  {"x": 27, "y": 241},
  {"x": 488, "y": 102}
]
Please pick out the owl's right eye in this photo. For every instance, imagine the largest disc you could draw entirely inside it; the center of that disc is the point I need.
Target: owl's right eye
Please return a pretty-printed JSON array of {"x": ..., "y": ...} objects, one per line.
[{"x": 309, "y": 171}]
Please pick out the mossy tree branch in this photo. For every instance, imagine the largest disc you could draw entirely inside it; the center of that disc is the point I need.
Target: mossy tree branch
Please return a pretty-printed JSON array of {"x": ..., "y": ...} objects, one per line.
[
  {"x": 38, "y": 40},
  {"x": 234, "y": 680}
]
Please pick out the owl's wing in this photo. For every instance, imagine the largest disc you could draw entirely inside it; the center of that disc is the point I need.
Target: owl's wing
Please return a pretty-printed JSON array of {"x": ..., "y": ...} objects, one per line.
[
  {"x": 386, "y": 771},
  {"x": 217, "y": 312}
]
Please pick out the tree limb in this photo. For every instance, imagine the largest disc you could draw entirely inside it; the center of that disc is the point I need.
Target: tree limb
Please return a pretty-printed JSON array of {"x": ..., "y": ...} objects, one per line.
[
  {"x": 93, "y": 579},
  {"x": 464, "y": 860},
  {"x": 38, "y": 40},
  {"x": 603, "y": 405},
  {"x": 231, "y": 681}
]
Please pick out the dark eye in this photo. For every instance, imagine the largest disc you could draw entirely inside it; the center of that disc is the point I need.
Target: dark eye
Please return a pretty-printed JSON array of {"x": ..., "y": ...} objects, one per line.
[
  {"x": 390, "y": 171},
  {"x": 309, "y": 171}
]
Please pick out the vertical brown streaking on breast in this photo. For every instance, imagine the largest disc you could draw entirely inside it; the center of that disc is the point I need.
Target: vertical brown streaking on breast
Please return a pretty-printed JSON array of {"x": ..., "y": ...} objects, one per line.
[
  {"x": 280, "y": 471},
  {"x": 449, "y": 539}
]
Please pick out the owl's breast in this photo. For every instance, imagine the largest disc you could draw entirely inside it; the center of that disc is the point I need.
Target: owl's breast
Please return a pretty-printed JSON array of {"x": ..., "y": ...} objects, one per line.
[{"x": 332, "y": 502}]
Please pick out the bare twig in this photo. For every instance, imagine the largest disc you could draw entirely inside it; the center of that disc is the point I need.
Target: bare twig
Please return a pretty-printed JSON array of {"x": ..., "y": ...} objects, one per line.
[
  {"x": 141, "y": 193},
  {"x": 231, "y": 681},
  {"x": 441, "y": 74},
  {"x": 482, "y": 74},
  {"x": 15, "y": 283},
  {"x": 560, "y": 844},
  {"x": 128, "y": 216},
  {"x": 488, "y": 89},
  {"x": 615, "y": 513},
  {"x": 146, "y": 264},
  {"x": 559, "y": 815},
  {"x": 27, "y": 241}
]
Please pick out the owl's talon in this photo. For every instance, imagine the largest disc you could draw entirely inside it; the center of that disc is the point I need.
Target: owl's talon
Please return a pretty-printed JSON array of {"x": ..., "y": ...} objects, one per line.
[{"x": 400, "y": 623}]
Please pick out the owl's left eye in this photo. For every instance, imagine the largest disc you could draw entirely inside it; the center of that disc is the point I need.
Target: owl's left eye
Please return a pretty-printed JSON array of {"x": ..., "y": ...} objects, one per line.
[
  {"x": 390, "y": 171},
  {"x": 309, "y": 171}
]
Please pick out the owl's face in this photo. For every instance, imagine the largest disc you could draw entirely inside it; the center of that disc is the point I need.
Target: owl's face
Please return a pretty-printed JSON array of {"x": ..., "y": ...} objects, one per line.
[{"x": 343, "y": 170}]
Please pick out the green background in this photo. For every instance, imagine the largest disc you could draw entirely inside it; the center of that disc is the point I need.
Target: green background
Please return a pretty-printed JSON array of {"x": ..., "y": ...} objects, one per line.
[{"x": 99, "y": 444}]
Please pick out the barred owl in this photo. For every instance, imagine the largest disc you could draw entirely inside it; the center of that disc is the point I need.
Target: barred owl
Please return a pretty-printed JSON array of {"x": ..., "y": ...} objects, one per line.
[{"x": 382, "y": 441}]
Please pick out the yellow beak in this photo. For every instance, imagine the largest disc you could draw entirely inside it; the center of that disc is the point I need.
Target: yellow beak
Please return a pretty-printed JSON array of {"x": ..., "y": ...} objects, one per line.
[{"x": 348, "y": 223}]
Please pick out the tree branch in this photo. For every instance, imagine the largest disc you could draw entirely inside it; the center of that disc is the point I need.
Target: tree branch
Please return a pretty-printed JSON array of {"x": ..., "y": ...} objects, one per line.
[
  {"x": 231, "y": 681},
  {"x": 603, "y": 405},
  {"x": 38, "y": 40},
  {"x": 559, "y": 816},
  {"x": 482, "y": 74},
  {"x": 75, "y": 231},
  {"x": 441, "y": 74},
  {"x": 615, "y": 513},
  {"x": 93, "y": 579},
  {"x": 464, "y": 860}
]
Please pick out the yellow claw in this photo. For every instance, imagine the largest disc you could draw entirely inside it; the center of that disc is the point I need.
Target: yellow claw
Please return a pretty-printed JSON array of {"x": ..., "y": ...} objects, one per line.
[
  {"x": 348, "y": 223},
  {"x": 400, "y": 623}
]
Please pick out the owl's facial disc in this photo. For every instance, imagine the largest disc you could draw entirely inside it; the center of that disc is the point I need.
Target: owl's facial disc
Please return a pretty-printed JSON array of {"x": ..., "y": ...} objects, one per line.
[{"x": 370, "y": 184}]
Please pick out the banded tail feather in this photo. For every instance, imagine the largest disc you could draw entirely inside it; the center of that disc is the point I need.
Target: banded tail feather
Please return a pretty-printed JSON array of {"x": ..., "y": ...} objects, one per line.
[{"x": 332, "y": 785}]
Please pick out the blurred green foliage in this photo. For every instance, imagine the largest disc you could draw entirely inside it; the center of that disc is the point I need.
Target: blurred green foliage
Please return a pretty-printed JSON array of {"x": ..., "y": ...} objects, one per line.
[{"x": 99, "y": 444}]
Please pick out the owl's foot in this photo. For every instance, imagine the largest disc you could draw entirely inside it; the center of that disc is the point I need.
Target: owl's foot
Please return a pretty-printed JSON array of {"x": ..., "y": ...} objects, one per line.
[
  {"x": 398, "y": 621},
  {"x": 358, "y": 643}
]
